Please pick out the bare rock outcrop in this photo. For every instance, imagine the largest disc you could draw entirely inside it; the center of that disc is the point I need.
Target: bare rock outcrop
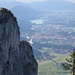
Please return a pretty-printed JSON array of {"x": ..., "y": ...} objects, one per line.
[{"x": 16, "y": 58}]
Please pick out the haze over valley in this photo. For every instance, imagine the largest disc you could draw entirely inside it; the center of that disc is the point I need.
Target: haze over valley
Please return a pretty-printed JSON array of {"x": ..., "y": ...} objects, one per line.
[{"x": 49, "y": 26}]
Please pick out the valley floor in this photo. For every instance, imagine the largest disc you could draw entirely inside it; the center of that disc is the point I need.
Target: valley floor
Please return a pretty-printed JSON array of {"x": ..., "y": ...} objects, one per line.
[{"x": 53, "y": 67}]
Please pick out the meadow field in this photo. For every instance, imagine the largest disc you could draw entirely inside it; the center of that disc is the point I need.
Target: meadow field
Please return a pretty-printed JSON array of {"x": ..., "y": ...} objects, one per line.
[{"x": 53, "y": 66}]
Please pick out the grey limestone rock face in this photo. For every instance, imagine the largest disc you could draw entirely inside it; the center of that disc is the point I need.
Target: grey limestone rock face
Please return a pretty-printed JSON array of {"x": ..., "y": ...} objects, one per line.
[
  {"x": 16, "y": 58},
  {"x": 28, "y": 63}
]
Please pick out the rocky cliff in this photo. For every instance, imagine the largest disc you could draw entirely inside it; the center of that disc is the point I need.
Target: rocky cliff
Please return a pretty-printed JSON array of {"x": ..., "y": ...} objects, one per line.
[{"x": 16, "y": 58}]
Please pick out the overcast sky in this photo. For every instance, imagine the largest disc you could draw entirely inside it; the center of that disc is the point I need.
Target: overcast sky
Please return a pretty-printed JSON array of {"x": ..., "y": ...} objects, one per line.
[
  {"x": 71, "y": 1},
  {"x": 27, "y": 1}
]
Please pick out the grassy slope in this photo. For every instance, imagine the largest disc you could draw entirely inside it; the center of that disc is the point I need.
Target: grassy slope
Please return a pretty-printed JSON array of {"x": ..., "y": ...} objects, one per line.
[{"x": 53, "y": 67}]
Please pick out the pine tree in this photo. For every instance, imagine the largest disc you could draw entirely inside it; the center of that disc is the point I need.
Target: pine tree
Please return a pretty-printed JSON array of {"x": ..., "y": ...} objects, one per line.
[{"x": 71, "y": 62}]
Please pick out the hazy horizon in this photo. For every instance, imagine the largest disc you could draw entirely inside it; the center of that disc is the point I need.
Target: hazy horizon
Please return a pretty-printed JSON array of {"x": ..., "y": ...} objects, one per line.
[{"x": 29, "y": 1}]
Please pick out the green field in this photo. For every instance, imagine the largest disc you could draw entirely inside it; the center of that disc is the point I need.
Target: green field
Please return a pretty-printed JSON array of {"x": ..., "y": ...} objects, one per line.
[{"x": 53, "y": 67}]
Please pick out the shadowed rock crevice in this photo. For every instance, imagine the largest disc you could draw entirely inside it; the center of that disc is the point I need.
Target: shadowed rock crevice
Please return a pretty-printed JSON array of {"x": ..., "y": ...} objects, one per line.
[{"x": 16, "y": 58}]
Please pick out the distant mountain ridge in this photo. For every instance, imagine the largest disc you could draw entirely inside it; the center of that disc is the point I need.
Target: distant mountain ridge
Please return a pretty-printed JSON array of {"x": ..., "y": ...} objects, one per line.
[
  {"x": 11, "y": 4},
  {"x": 53, "y": 5},
  {"x": 24, "y": 15},
  {"x": 23, "y": 12},
  {"x": 44, "y": 5}
]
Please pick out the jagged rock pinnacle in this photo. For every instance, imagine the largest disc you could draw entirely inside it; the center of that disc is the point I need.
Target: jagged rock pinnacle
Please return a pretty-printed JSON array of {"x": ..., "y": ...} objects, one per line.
[
  {"x": 16, "y": 58},
  {"x": 5, "y": 15}
]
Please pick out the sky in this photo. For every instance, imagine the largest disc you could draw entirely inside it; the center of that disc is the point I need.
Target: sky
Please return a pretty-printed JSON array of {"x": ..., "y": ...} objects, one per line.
[
  {"x": 24, "y": 1},
  {"x": 71, "y": 1},
  {"x": 28, "y": 1}
]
